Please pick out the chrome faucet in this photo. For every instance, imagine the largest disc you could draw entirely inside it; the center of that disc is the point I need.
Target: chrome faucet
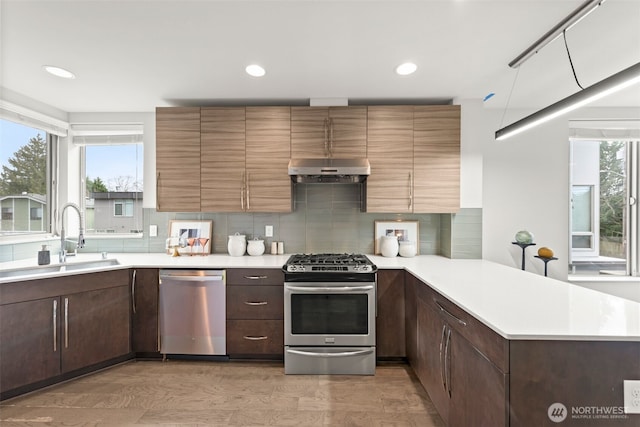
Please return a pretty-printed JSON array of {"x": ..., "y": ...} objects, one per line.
[{"x": 80, "y": 242}]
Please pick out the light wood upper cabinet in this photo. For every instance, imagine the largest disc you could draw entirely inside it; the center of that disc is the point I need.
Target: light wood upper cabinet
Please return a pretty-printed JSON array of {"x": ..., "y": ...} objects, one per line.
[
  {"x": 222, "y": 159},
  {"x": 178, "y": 159},
  {"x": 390, "y": 153},
  {"x": 324, "y": 132},
  {"x": 268, "y": 150},
  {"x": 436, "y": 156},
  {"x": 414, "y": 153}
]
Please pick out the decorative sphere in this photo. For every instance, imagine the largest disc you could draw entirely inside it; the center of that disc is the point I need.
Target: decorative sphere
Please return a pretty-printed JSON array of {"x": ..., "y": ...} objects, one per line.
[
  {"x": 545, "y": 252},
  {"x": 524, "y": 237}
]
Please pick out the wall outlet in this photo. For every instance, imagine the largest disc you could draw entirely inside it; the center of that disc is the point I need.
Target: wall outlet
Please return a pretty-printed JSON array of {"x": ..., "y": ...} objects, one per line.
[
  {"x": 631, "y": 396},
  {"x": 153, "y": 231},
  {"x": 268, "y": 231}
]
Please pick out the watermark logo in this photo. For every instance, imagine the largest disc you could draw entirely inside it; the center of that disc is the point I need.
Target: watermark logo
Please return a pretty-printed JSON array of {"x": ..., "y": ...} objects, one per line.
[{"x": 557, "y": 412}]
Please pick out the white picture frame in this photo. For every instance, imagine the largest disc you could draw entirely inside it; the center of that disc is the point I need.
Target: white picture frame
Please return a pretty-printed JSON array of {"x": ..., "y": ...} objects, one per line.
[
  {"x": 185, "y": 234},
  {"x": 405, "y": 230}
]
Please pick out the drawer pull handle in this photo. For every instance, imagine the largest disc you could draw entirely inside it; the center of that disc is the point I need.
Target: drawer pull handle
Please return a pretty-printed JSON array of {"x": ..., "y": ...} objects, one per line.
[
  {"x": 445, "y": 311},
  {"x": 260, "y": 338},
  {"x": 256, "y": 303},
  {"x": 256, "y": 277}
]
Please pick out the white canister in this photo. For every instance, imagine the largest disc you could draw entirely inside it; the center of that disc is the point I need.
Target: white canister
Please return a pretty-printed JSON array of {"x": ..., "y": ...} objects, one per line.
[
  {"x": 237, "y": 245},
  {"x": 389, "y": 246},
  {"x": 407, "y": 249},
  {"x": 280, "y": 248},
  {"x": 255, "y": 247}
]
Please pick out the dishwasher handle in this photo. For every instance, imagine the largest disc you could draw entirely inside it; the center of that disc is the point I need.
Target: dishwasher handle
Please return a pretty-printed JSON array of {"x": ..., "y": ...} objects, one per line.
[
  {"x": 193, "y": 275},
  {"x": 195, "y": 278}
]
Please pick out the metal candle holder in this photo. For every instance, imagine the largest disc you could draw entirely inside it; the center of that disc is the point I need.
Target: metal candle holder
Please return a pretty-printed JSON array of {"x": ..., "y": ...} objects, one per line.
[{"x": 523, "y": 246}]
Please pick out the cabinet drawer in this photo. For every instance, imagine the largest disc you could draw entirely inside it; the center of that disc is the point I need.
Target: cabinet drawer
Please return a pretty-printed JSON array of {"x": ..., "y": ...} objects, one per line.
[
  {"x": 255, "y": 337},
  {"x": 484, "y": 339},
  {"x": 255, "y": 276},
  {"x": 255, "y": 302}
]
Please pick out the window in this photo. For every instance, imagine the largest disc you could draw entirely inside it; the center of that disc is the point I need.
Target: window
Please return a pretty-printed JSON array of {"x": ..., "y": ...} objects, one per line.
[
  {"x": 582, "y": 217},
  {"x": 24, "y": 177},
  {"x": 7, "y": 214},
  {"x": 604, "y": 215},
  {"x": 36, "y": 214},
  {"x": 123, "y": 208},
  {"x": 112, "y": 176}
]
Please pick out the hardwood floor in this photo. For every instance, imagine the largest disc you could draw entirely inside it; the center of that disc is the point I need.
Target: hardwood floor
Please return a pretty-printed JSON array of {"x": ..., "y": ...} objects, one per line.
[{"x": 147, "y": 393}]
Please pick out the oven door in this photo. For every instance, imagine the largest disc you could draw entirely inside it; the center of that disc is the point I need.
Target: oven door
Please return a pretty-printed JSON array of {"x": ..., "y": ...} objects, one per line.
[{"x": 340, "y": 314}]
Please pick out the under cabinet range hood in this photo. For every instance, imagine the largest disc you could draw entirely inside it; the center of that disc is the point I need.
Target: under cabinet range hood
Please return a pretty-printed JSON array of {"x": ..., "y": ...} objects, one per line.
[{"x": 331, "y": 171}]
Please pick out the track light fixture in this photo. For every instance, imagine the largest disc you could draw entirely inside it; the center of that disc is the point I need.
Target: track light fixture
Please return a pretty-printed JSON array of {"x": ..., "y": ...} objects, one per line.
[
  {"x": 614, "y": 83},
  {"x": 573, "y": 18}
]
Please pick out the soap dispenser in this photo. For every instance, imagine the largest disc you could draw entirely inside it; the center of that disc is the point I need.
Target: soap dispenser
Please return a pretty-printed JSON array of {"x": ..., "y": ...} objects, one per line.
[{"x": 43, "y": 256}]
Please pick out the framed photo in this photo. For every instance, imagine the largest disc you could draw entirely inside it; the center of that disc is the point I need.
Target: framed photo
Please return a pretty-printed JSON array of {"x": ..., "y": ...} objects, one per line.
[
  {"x": 190, "y": 237},
  {"x": 405, "y": 230}
]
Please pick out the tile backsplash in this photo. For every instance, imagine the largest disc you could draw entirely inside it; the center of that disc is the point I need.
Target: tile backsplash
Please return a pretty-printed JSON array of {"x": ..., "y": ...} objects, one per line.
[{"x": 326, "y": 218}]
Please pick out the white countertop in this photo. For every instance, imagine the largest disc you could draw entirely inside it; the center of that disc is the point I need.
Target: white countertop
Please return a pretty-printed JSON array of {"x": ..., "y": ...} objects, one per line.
[{"x": 516, "y": 304}]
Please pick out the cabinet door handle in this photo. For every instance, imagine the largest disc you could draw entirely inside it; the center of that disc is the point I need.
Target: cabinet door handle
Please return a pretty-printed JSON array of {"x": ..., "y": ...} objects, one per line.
[
  {"x": 158, "y": 191},
  {"x": 331, "y": 137},
  {"x": 326, "y": 137},
  {"x": 255, "y": 277},
  {"x": 259, "y": 338},
  {"x": 66, "y": 323},
  {"x": 256, "y": 303},
  {"x": 248, "y": 190},
  {"x": 447, "y": 366},
  {"x": 410, "y": 191},
  {"x": 454, "y": 317},
  {"x": 55, "y": 325},
  {"x": 442, "y": 353},
  {"x": 242, "y": 187},
  {"x": 133, "y": 291}
]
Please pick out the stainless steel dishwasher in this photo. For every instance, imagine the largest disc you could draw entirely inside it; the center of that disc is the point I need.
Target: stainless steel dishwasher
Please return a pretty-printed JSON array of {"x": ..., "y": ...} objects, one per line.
[{"x": 193, "y": 312}]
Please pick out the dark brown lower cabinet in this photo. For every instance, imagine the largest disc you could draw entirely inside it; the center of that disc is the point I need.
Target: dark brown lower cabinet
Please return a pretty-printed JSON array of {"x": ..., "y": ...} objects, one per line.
[
  {"x": 144, "y": 308},
  {"x": 410, "y": 318},
  {"x": 95, "y": 327},
  {"x": 466, "y": 386},
  {"x": 255, "y": 313},
  {"x": 255, "y": 338},
  {"x": 582, "y": 379},
  {"x": 477, "y": 388},
  {"x": 476, "y": 377},
  {"x": 431, "y": 366},
  {"x": 390, "y": 339},
  {"x": 29, "y": 342},
  {"x": 56, "y": 328}
]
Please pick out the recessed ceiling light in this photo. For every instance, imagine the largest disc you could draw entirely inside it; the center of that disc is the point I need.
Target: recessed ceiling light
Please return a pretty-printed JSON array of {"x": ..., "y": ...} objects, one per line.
[
  {"x": 406, "y": 68},
  {"x": 59, "y": 72},
  {"x": 255, "y": 70}
]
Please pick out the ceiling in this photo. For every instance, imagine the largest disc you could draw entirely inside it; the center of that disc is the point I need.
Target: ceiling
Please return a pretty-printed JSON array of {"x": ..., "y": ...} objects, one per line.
[{"x": 132, "y": 56}]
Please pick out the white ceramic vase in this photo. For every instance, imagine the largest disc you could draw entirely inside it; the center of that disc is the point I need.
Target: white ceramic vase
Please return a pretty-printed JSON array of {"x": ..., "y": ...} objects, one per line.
[
  {"x": 237, "y": 245},
  {"x": 255, "y": 247},
  {"x": 389, "y": 246},
  {"x": 407, "y": 249}
]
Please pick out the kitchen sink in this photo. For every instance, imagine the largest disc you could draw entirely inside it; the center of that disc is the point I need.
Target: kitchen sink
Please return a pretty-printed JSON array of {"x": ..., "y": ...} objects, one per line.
[{"x": 58, "y": 268}]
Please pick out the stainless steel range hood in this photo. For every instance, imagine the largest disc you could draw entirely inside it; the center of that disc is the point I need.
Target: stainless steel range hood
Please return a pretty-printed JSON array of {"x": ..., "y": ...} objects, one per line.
[{"x": 331, "y": 171}]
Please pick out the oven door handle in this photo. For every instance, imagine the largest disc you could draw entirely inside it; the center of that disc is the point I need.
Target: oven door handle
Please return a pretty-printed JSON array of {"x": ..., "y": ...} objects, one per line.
[
  {"x": 314, "y": 290},
  {"x": 327, "y": 355}
]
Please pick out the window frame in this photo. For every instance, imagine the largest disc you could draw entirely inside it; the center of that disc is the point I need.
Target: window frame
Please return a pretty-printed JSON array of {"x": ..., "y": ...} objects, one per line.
[
  {"x": 107, "y": 134},
  {"x": 631, "y": 217}
]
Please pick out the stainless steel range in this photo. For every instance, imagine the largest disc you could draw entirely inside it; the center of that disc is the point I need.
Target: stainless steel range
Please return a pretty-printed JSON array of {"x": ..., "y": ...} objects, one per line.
[{"x": 330, "y": 314}]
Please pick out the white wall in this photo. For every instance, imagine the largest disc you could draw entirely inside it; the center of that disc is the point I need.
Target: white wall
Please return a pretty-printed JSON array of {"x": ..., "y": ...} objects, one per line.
[
  {"x": 474, "y": 131},
  {"x": 526, "y": 186}
]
